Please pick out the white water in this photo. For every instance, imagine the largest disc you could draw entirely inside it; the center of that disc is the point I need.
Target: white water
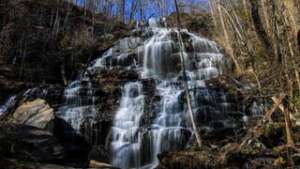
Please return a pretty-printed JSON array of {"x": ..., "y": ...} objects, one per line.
[
  {"x": 8, "y": 104},
  {"x": 169, "y": 130},
  {"x": 79, "y": 104},
  {"x": 126, "y": 143},
  {"x": 168, "y": 127},
  {"x": 134, "y": 144}
]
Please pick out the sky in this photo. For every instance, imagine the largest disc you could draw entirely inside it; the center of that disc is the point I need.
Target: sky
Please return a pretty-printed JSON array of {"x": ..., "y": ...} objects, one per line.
[{"x": 152, "y": 8}]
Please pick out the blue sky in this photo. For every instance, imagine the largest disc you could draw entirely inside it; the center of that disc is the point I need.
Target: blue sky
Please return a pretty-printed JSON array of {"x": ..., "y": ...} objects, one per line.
[{"x": 152, "y": 8}]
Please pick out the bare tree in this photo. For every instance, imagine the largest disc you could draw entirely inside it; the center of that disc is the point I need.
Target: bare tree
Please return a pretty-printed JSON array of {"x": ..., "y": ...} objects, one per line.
[
  {"x": 226, "y": 39},
  {"x": 134, "y": 6},
  {"x": 187, "y": 91},
  {"x": 122, "y": 4}
]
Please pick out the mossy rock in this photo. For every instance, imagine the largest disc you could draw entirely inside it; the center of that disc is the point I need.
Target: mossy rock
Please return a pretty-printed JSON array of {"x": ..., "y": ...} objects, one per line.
[{"x": 272, "y": 134}]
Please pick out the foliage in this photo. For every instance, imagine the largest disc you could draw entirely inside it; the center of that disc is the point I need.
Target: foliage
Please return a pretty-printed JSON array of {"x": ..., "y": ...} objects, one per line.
[
  {"x": 50, "y": 41},
  {"x": 263, "y": 38}
]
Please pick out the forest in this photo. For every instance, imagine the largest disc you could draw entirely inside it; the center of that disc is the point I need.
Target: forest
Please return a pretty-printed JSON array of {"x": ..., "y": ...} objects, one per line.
[{"x": 150, "y": 84}]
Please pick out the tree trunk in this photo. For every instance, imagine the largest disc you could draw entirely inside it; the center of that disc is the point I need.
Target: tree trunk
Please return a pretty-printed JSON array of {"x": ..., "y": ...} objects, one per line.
[
  {"x": 227, "y": 42},
  {"x": 134, "y": 5},
  {"x": 185, "y": 83},
  {"x": 142, "y": 10},
  {"x": 122, "y": 10},
  {"x": 277, "y": 103},
  {"x": 212, "y": 11},
  {"x": 293, "y": 13},
  {"x": 178, "y": 14},
  {"x": 258, "y": 24},
  {"x": 288, "y": 127}
]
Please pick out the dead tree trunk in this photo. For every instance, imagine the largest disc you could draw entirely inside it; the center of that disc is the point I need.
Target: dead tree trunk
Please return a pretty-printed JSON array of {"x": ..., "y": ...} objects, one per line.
[
  {"x": 212, "y": 11},
  {"x": 178, "y": 14},
  {"x": 134, "y": 5},
  {"x": 277, "y": 103},
  {"x": 185, "y": 83},
  {"x": 122, "y": 10},
  {"x": 141, "y": 3},
  {"x": 258, "y": 24},
  {"x": 298, "y": 39},
  {"x": 227, "y": 42},
  {"x": 288, "y": 127}
]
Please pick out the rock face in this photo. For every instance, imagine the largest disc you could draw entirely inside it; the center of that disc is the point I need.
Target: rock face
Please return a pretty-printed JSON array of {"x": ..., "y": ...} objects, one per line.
[
  {"x": 29, "y": 143},
  {"x": 36, "y": 113},
  {"x": 130, "y": 102},
  {"x": 199, "y": 22}
]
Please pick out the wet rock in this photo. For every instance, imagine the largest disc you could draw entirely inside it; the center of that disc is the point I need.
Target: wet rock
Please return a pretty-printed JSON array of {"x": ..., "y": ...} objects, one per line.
[
  {"x": 75, "y": 146},
  {"x": 36, "y": 113},
  {"x": 98, "y": 131},
  {"x": 108, "y": 84},
  {"x": 53, "y": 94},
  {"x": 200, "y": 22},
  {"x": 29, "y": 143},
  {"x": 99, "y": 153},
  {"x": 11, "y": 87}
]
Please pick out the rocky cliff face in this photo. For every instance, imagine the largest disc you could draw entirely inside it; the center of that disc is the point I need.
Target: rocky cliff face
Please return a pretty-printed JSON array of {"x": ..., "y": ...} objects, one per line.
[{"x": 128, "y": 74}]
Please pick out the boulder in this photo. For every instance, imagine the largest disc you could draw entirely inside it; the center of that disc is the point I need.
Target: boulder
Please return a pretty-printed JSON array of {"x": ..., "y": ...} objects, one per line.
[
  {"x": 100, "y": 165},
  {"x": 99, "y": 153},
  {"x": 35, "y": 113},
  {"x": 29, "y": 143},
  {"x": 75, "y": 146}
]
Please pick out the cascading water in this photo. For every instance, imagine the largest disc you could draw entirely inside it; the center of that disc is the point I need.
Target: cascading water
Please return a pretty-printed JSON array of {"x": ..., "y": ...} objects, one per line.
[
  {"x": 80, "y": 105},
  {"x": 126, "y": 143},
  {"x": 8, "y": 104},
  {"x": 155, "y": 53},
  {"x": 169, "y": 129}
]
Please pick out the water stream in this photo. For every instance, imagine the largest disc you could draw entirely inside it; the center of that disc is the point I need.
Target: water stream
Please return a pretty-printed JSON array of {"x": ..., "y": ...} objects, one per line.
[
  {"x": 169, "y": 130},
  {"x": 134, "y": 144}
]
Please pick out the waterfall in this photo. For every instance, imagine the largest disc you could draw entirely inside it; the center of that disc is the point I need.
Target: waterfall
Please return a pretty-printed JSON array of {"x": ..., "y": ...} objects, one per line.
[
  {"x": 155, "y": 50},
  {"x": 126, "y": 143},
  {"x": 79, "y": 104},
  {"x": 154, "y": 54},
  {"x": 169, "y": 130}
]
